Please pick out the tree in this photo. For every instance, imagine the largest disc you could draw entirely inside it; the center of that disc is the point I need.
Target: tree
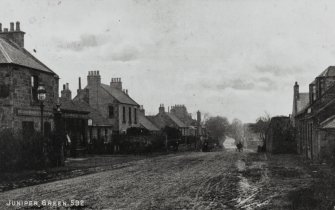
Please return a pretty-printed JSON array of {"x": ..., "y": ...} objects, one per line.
[
  {"x": 261, "y": 126},
  {"x": 217, "y": 126},
  {"x": 236, "y": 130}
]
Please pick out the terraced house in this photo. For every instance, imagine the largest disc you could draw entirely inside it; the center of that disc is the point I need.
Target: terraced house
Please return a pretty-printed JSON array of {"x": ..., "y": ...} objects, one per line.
[
  {"x": 313, "y": 117},
  {"x": 21, "y": 74}
]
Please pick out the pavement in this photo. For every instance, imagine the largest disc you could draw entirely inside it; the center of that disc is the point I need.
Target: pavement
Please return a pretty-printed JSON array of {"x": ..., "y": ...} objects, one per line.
[{"x": 193, "y": 180}]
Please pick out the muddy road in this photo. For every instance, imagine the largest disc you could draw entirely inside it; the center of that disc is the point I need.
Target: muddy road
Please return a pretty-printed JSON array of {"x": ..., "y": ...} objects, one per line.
[{"x": 214, "y": 180}]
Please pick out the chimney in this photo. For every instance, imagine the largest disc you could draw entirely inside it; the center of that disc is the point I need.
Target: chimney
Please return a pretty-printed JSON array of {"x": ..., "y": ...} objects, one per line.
[
  {"x": 142, "y": 110},
  {"x": 16, "y": 36},
  {"x": 127, "y": 91},
  {"x": 161, "y": 109},
  {"x": 17, "y": 26},
  {"x": 79, "y": 83},
  {"x": 93, "y": 79},
  {"x": 296, "y": 91},
  {"x": 11, "y": 26},
  {"x": 116, "y": 83},
  {"x": 66, "y": 93},
  {"x": 198, "y": 117}
]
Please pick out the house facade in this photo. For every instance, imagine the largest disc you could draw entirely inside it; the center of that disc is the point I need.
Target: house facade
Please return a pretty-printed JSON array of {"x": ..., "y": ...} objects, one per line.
[
  {"x": 313, "y": 118},
  {"x": 21, "y": 74},
  {"x": 111, "y": 101}
]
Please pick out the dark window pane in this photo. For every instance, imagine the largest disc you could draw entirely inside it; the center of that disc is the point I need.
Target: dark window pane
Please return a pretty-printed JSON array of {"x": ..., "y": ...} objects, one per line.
[
  {"x": 27, "y": 128},
  {"x": 111, "y": 111},
  {"x": 4, "y": 91},
  {"x": 124, "y": 114}
]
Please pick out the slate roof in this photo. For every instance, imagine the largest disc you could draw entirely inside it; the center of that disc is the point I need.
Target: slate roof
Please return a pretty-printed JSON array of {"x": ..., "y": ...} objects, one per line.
[
  {"x": 73, "y": 106},
  {"x": 303, "y": 101},
  {"x": 11, "y": 53},
  {"x": 83, "y": 107},
  {"x": 146, "y": 123},
  {"x": 161, "y": 122},
  {"x": 328, "y": 123},
  {"x": 176, "y": 120},
  {"x": 328, "y": 72},
  {"x": 119, "y": 95}
]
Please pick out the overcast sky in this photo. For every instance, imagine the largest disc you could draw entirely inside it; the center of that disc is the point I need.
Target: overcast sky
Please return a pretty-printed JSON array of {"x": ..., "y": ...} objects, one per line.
[{"x": 236, "y": 58}]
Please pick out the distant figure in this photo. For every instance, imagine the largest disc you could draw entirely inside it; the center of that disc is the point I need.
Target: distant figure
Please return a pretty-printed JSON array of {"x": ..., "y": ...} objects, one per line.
[{"x": 239, "y": 146}]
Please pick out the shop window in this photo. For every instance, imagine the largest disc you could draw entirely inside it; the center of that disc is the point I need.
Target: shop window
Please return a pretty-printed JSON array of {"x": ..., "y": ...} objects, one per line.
[{"x": 27, "y": 128}]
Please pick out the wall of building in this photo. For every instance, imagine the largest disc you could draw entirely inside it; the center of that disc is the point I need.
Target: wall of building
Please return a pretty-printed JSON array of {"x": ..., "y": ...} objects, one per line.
[{"x": 19, "y": 106}]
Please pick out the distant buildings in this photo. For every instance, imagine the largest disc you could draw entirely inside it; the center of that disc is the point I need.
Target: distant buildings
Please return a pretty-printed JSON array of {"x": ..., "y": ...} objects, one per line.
[
  {"x": 177, "y": 118},
  {"x": 95, "y": 114},
  {"x": 313, "y": 116}
]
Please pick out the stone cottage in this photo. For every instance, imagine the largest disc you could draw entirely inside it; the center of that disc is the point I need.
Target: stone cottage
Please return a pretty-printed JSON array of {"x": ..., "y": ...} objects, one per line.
[
  {"x": 313, "y": 117},
  {"x": 21, "y": 74}
]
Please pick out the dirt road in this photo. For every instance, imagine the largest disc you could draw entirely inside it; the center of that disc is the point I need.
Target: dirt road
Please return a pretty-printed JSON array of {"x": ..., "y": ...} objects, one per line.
[{"x": 214, "y": 180}]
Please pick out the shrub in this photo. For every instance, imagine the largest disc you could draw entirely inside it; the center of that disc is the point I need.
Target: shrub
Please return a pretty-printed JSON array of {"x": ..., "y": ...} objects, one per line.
[
  {"x": 9, "y": 150},
  {"x": 35, "y": 151}
]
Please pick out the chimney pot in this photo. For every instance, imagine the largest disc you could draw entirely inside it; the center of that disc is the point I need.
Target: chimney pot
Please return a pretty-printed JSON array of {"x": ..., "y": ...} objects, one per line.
[
  {"x": 63, "y": 87},
  {"x": 79, "y": 83},
  {"x": 17, "y": 26},
  {"x": 11, "y": 26}
]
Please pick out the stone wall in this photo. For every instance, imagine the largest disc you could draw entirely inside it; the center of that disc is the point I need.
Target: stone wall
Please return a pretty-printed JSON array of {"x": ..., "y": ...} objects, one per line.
[{"x": 19, "y": 106}]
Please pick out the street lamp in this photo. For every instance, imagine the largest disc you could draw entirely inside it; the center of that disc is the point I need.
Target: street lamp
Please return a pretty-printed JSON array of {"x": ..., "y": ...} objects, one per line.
[{"x": 41, "y": 95}]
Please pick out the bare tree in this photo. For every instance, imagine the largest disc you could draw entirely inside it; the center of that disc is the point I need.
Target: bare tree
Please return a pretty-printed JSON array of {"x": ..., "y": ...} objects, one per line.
[
  {"x": 261, "y": 126},
  {"x": 236, "y": 130}
]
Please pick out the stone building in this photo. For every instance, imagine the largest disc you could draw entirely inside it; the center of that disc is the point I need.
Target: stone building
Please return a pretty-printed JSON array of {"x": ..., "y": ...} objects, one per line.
[
  {"x": 180, "y": 111},
  {"x": 167, "y": 119},
  {"x": 313, "y": 119},
  {"x": 20, "y": 75},
  {"x": 111, "y": 101}
]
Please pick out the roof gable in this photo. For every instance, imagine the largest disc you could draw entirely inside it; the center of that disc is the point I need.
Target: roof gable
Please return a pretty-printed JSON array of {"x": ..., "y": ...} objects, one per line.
[
  {"x": 146, "y": 123},
  {"x": 119, "y": 95},
  {"x": 302, "y": 102}
]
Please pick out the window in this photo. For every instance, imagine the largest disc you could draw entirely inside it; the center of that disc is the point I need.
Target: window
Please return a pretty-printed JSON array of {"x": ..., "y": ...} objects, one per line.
[
  {"x": 135, "y": 115},
  {"x": 27, "y": 128},
  {"x": 111, "y": 111},
  {"x": 124, "y": 114},
  {"x": 47, "y": 128},
  {"x": 4, "y": 91},
  {"x": 34, "y": 86},
  {"x": 129, "y": 112}
]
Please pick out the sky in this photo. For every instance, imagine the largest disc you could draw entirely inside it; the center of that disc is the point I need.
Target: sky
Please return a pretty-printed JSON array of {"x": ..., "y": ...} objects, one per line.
[{"x": 234, "y": 58}]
